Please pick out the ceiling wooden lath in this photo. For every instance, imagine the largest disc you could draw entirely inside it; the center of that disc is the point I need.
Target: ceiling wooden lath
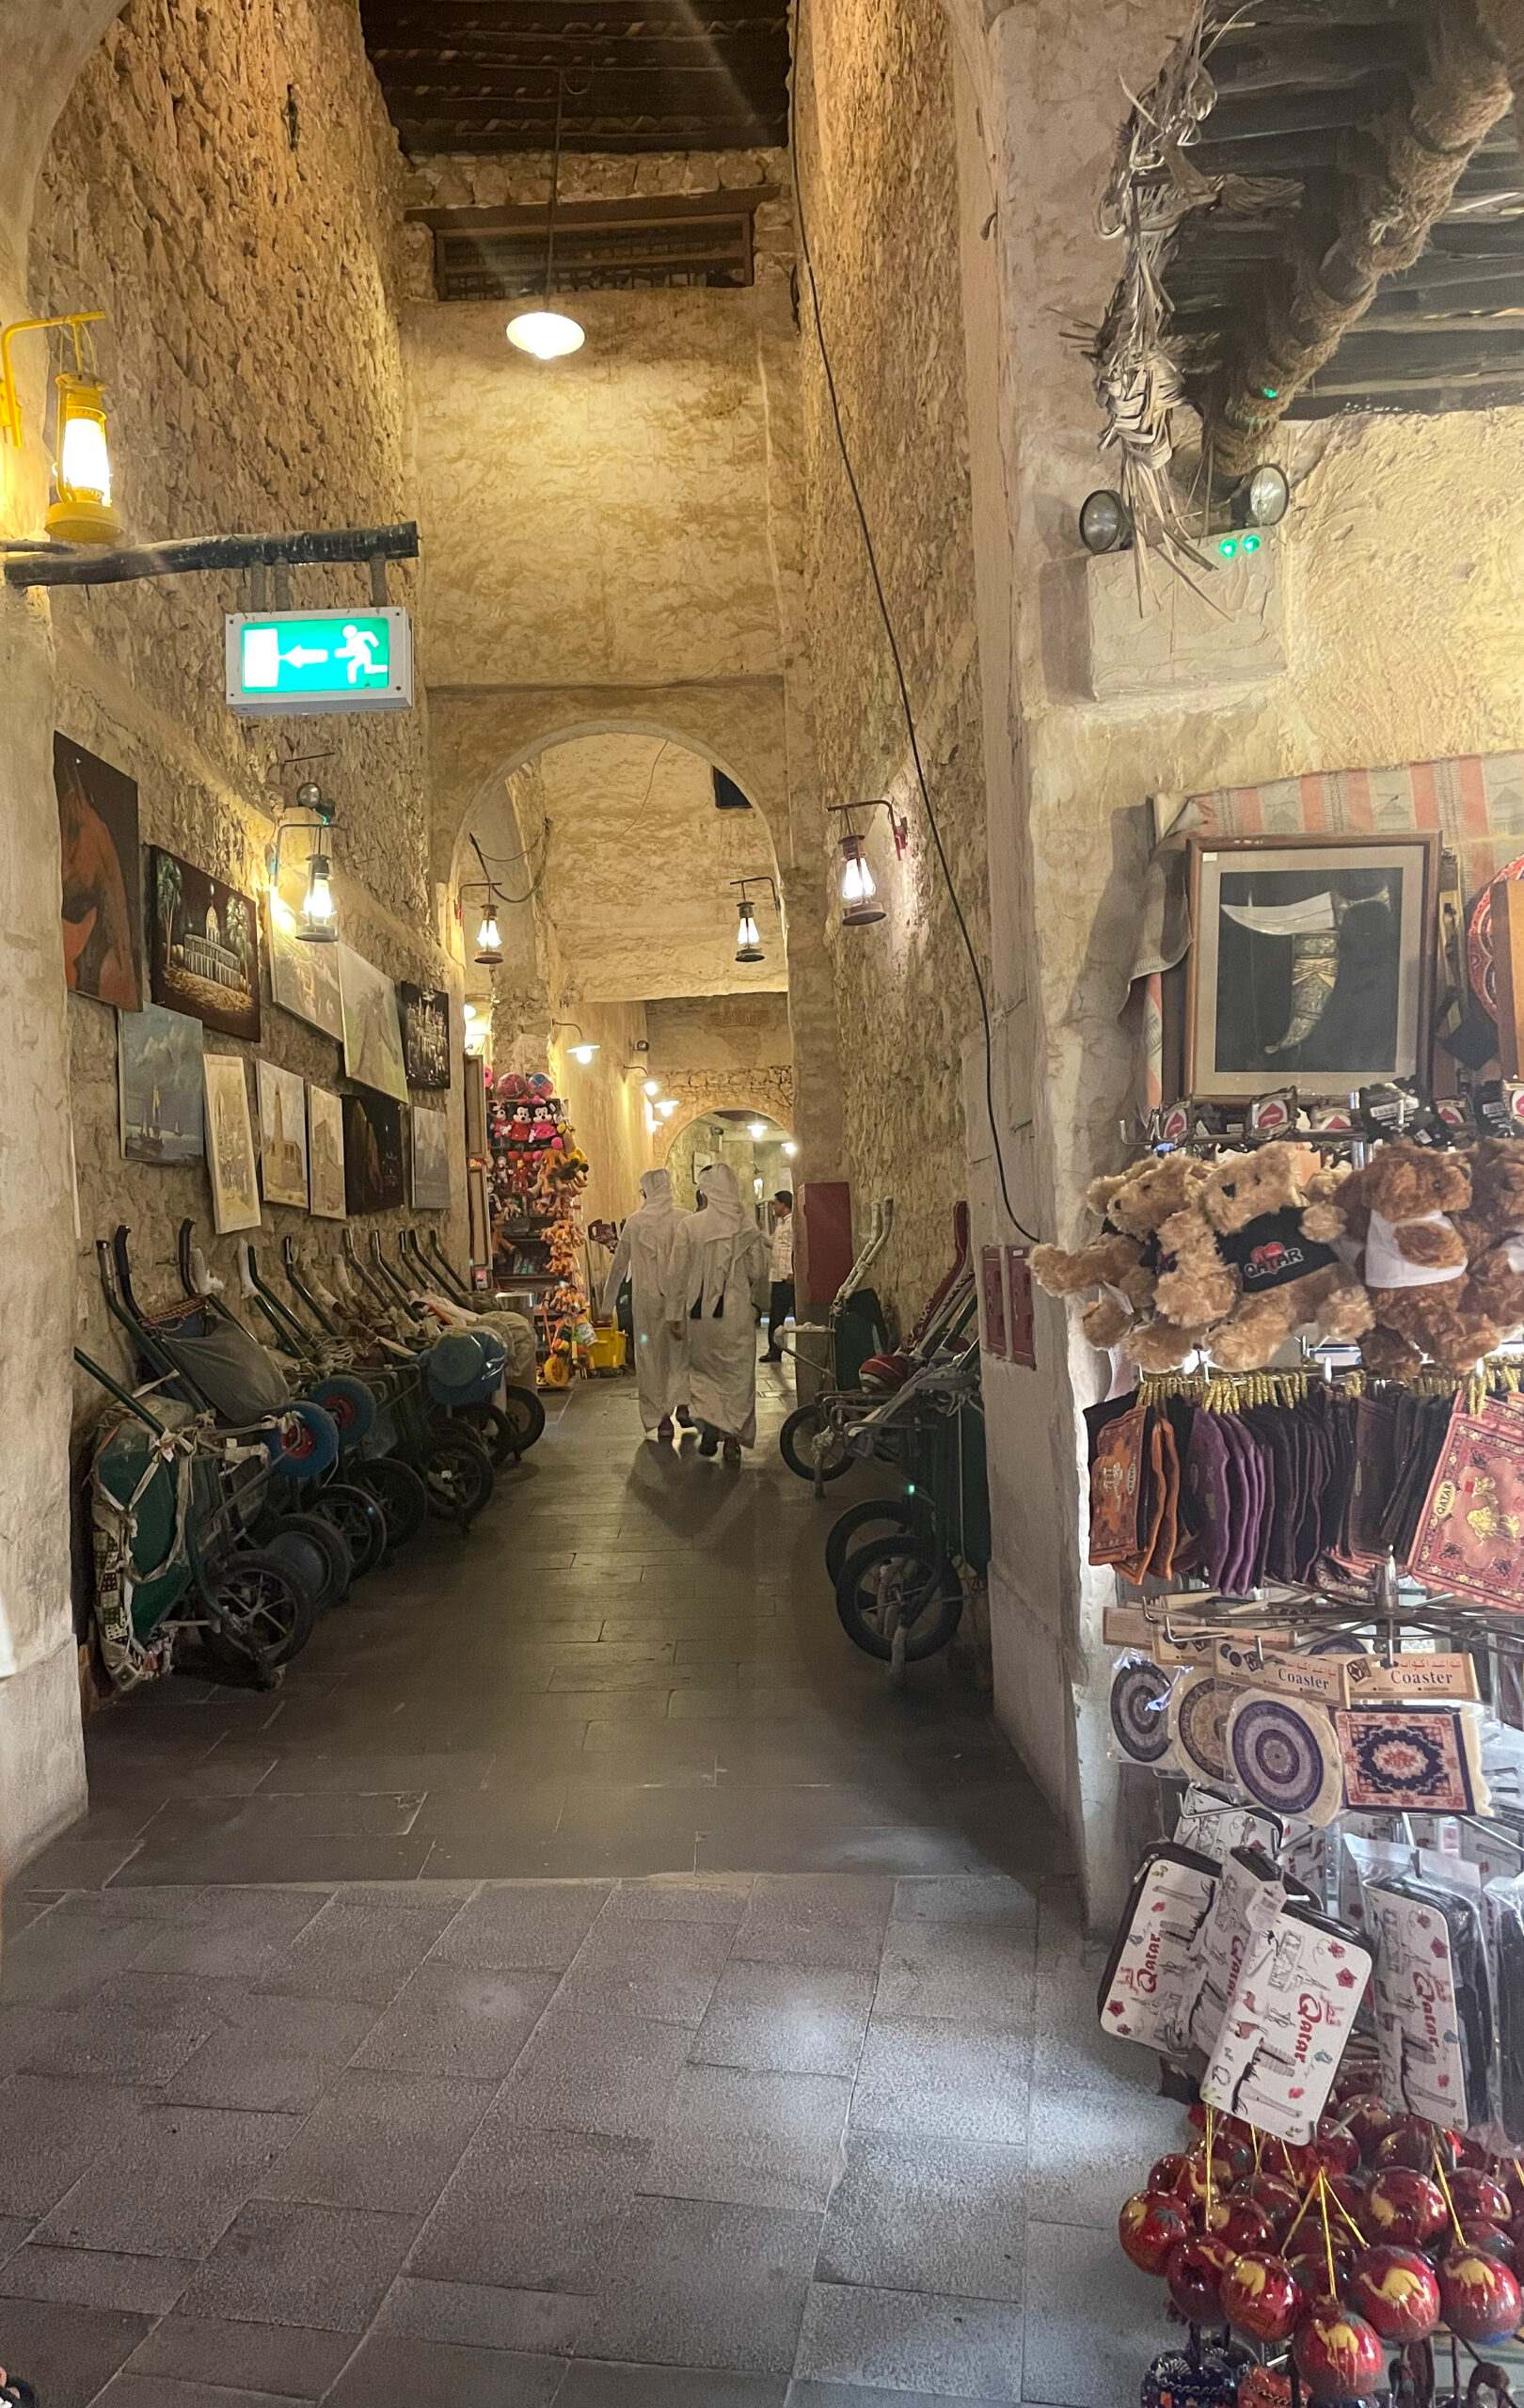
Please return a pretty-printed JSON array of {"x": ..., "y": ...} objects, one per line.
[{"x": 674, "y": 75}]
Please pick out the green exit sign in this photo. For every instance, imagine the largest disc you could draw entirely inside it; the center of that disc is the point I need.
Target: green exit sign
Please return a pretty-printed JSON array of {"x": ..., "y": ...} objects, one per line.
[{"x": 320, "y": 660}]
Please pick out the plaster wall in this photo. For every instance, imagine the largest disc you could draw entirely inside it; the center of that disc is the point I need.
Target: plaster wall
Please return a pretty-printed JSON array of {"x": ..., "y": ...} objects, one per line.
[
  {"x": 878, "y": 169},
  {"x": 718, "y": 1033},
  {"x": 1397, "y": 576},
  {"x": 606, "y": 1107}
]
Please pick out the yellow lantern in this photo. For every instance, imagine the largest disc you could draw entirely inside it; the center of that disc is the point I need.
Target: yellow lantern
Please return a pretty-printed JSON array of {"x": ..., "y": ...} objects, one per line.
[{"x": 81, "y": 513}]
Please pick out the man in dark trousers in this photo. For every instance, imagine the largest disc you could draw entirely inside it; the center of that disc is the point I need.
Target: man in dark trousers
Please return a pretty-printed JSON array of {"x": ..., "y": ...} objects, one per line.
[{"x": 781, "y": 1302}]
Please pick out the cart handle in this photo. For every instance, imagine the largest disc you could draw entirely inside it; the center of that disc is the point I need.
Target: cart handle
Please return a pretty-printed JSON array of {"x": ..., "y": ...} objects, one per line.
[{"x": 114, "y": 1388}]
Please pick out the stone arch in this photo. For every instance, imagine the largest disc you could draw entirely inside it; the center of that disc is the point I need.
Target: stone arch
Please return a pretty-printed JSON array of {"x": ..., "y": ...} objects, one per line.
[{"x": 769, "y": 1093}]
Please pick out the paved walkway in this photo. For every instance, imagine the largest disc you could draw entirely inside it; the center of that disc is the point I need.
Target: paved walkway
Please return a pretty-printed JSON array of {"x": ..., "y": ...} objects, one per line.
[{"x": 585, "y": 1981}]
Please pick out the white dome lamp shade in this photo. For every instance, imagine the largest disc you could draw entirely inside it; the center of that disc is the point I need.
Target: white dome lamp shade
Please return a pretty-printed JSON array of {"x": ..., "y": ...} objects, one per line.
[{"x": 545, "y": 332}]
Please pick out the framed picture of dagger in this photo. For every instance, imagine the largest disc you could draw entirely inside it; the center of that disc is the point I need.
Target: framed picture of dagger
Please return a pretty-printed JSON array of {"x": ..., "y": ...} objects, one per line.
[{"x": 1312, "y": 963}]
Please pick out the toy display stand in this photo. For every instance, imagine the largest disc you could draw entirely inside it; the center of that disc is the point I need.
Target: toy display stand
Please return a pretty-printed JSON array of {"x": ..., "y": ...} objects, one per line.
[{"x": 538, "y": 1177}]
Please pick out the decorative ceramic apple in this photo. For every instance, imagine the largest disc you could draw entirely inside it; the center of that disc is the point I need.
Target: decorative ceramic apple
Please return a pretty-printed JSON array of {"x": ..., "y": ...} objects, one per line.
[
  {"x": 1194, "y": 2271},
  {"x": 1479, "y": 2296},
  {"x": 1409, "y": 2142},
  {"x": 1310, "y": 2263},
  {"x": 1334, "y": 2148},
  {"x": 1193, "y": 2186},
  {"x": 1492, "y": 2239},
  {"x": 1149, "y": 2225},
  {"x": 1350, "y": 2192},
  {"x": 1396, "y": 2290},
  {"x": 1370, "y": 2122},
  {"x": 1339, "y": 2354},
  {"x": 1261, "y": 2296},
  {"x": 1241, "y": 2223},
  {"x": 1478, "y": 2194},
  {"x": 1169, "y": 2173},
  {"x": 1280, "y": 2200},
  {"x": 1404, "y": 2207}
]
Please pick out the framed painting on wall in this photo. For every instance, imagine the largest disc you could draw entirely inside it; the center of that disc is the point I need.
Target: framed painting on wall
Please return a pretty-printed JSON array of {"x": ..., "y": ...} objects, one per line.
[
  {"x": 230, "y": 1145},
  {"x": 373, "y": 1032},
  {"x": 159, "y": 1086},
  {"x": 1312, "y": 962},
  {"x": 282, "y": 1135},
  {"x": 372, "y": 1154},
  {"x": 103, "y": 897},
  {"x": 304, "y": 978},
  {"x": 205, "y": 948},
  {"x": 431, "y": 1161},
  {"x": 425, "y": 1027},
  {"x": 325, "y": 1154}
]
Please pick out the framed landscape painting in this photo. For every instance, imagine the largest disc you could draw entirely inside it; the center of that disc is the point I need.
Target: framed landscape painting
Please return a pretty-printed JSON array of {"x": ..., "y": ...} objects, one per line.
[
  {"x": 205, "y": 946},
  {"x": 373, "y": 1032},
  {"x": 1311, "y": 962},
  {"x": 159, "y": 1086},
  {"x": 103, "y": 902},
  {"x": 282, "y": 1135},
  {"x": 325, "y": 1154},
  {"x": 425, "y": 1027},
  {"x": 304, "y": 978},
  {"x": 431, "y": 1161},
  {"x": 230, "y": 1145},
  {"x": 372, "y": 1154}
]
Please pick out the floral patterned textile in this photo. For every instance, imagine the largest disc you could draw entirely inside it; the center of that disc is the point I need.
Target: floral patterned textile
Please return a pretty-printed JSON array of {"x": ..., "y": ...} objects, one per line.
[{"x": 1470, "y": 1534}]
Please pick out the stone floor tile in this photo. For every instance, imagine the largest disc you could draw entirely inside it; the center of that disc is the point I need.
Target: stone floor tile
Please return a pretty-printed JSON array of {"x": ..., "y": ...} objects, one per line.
[
  {"x": 786, "y": 2018},
  {"x": 97, "y": 2278},
  {"x": 699, "y": 2285},
  {"x": 459, "y": 2020},
  {"x": 817, "y": 1921},
  {"x": 247, "y": 1858},
  {"x": 376, "y": 1773},
  {"x": 809, "y": 2394},
  {"x": 69, "y": 2354},
  {"x": 970, "y": 2349},
  {"x": 63, "y": 1958},
  {"x": 153, "y": 2391},
  {"x": 51, "y": 2128},
  {"x": 923, "y": 2214},
  {"x": 139, "y": 2028},
  {"x": 945, "y": 2080},
  {"x": 279, "y": 2359},
  {"x": 995, "y": 1898},
  {"x": 394, "y": 2374},
  {"x": 484, "y": 2316},
  {"x": 1092, "y": 2321},
  {"x": 531, "y": 2210},
  {"x": 608, "y": 2073},
  {"x": 380, "y": 2140},
  {"x": 591, "y": 2386},
  {"x": 88, "y": 1861},
  {"x": 959, "y": 1973},
  {"x": 665, "y": 1973},
  {"x": 243, "y": 1932},
  {"x": 365, "y": 1943},
  {"x": 283, "y": 2262},
  {"x": 169, "y": 2183},
  {"x": 761, "y": 2140},
  {"x": 1084, "y": 2145},
  {"x": 522, "y": 1925},
  {"x": 715, "y": 1898},
  {"x": 273, "y": 2052}
]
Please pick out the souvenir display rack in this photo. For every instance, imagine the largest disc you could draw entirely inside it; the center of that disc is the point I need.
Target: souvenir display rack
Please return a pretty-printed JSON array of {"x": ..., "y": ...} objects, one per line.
[{"x": 538, "y": 1175}]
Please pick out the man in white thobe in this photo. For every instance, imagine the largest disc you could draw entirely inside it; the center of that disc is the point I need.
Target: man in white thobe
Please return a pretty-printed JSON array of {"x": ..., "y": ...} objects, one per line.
[
  {"x": 714, "y": 1271},
  {"x": 647, "y": 1244}
]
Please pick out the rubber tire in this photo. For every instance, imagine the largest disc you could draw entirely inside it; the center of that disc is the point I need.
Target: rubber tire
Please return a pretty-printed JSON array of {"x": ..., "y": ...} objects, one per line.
[
  {"x": 308, "y": 1538},
  {"x": 256, "y": 1581},
  {"x": 457, "y": 1472},
  {"x": 910, "y": 1514},
  {"x": 525, "y": 1415},
  {"x": 402, "y": 1493},
  {"x": 359, "y": 1518},
  {"x": 938, "y": 1615},
  {"x": 350, "y": 1403},
  {"x": 794, "y": 1443},
  {"x": 314, "y": 1447}
]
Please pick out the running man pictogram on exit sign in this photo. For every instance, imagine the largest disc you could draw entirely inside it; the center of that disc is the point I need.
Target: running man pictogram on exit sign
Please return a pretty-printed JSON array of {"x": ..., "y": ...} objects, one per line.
[{"x": 319, "y": 660}]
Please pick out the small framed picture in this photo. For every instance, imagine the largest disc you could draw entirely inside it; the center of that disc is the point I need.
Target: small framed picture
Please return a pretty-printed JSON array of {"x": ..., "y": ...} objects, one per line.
[{"x": 1312, "y": 962}]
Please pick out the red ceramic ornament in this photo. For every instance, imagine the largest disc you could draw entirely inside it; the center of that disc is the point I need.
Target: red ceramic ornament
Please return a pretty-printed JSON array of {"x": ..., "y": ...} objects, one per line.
[
  {"x": 1350, "y": 2192},
  {"x": 1397, "y": 2291},
  {"x": 1193, "y": 2185},
  {"x": 1337, "y": 2150},
  {"x": 1370, "y": 2123},
  {"x": 1477, "y": 2233},
  {"x": 1194, "y": 2272},
  {"x": 1477, "y": 2193},
  {"x": 1404, "y": 2207},
  {"x": 1261, "y": 2296},
  {"x": 1241, "y": 2223},
  {"x": 1149, "y": 2226},
  {"x": 1479, "y": 2296},
  {"x": 1339, "y": 2354},
  {"x": 1169, "y": 2174},
  {"x": 1410, "y": 2142},
  {"x": 1311, "y": 2264},
  {"x": 1280, "y": 2200}
]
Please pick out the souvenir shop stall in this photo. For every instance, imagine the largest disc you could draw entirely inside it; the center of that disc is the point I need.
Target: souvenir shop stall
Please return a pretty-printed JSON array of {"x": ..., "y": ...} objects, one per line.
[
  {"x": 1307, "y": 1484},
  {"x": 538, "y": 1175}
]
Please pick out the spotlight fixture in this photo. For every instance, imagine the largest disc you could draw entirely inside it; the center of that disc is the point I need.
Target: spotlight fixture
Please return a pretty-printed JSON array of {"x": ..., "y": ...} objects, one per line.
[
  {"x": 651, "y": 1087},
  {"x": 855, "y": 883},
  {"x": 789, "y": 1147},
  {"x": 81, "y": 511},
  {"x": 1263, "y": 498},
  {"x": 757, "y": 1131},
  {"x": 667, "y": 1106},
  {"x": 584, "y": 1053},
  {"x": 1104, "y": 523},
  {"x": 548, "y": 333},
  {"x": 582, "y": 1050},
  {"x": 748, "y": 935}
]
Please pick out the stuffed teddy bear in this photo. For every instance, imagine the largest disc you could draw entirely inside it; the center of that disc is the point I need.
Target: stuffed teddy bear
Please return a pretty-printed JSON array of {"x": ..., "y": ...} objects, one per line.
[
  {"x": 1492, "y": 1231},
  {"x": 1123, "y": 1261},
  {"x": 1246, "y": 1265},
  {"x": 1400, "y": 1205}
]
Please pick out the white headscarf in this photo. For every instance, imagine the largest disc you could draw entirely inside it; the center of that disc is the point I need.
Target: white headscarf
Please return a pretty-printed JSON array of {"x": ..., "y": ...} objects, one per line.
[
  {"x": 656, "y": 1189},
  {"x": 725, "y": 1215},
  {"x": 717, "y": 1238}
]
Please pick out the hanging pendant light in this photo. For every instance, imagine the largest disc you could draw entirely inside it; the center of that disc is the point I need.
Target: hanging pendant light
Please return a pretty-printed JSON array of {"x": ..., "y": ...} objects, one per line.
[
  {"x": 860, "y": 906},
  {"x": 318, "y": 922},
  {"x": 748, "y": 935},
  {"x": 490, "y": 935},
  {"x": 548, "y": 333}
]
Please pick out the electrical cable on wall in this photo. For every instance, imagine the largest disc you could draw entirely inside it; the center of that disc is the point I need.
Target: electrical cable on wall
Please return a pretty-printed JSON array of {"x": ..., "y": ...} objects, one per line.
[{"x": 889, "y": 633}]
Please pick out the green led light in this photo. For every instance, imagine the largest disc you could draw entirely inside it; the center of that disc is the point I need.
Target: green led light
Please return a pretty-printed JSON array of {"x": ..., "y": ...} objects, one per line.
[
  {"x": 1228, "y": 546},
  {"x": 1251, "y": 543},
  {"x": 1271, "y": 392}
]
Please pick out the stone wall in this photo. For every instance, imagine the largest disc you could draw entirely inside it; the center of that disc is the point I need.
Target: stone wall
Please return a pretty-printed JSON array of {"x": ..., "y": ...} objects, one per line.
[
  {"x": 606, "y": 1107},
  {"x": 767, "y": 1090},
  {"x": 877, "y": 164},
  {"x": 718, "y": 1033},
  {"x": 227, "y": 186}
]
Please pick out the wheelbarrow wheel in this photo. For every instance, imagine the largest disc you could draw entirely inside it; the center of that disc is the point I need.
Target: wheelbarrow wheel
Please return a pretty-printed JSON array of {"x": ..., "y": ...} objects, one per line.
[
  {"x": 903, "y": 1587},
  {"x": 264, "y": 1616},
  {"x": 315, "y": 1550},
  {"x": 878, "y": 1518},
  {"x": 457, "y": 1473},
  {"x": 360, "y": 1521},
  {"x": 400, "y": 1492},
  {"x": 525, "y": 1415},
  {"x": 797, "y": 1445}
]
